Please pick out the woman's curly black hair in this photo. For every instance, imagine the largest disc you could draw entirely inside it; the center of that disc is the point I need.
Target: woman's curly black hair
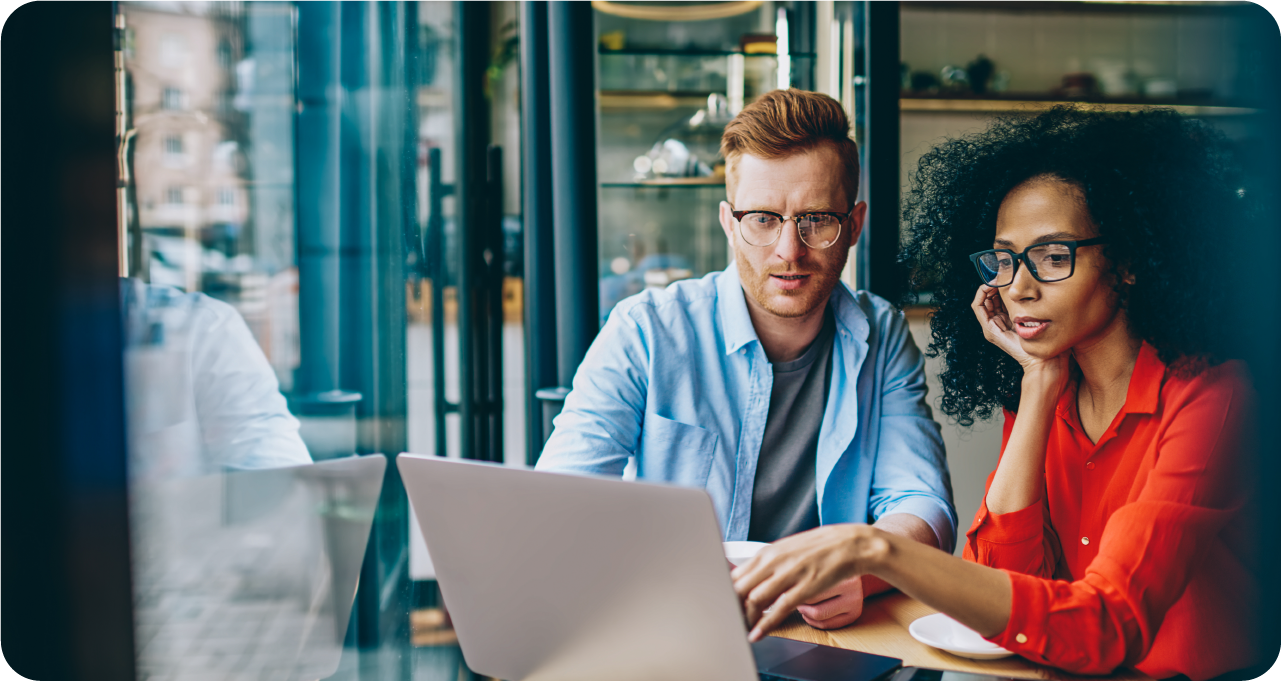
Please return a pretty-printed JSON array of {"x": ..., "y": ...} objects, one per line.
[{"x": 1157, "y": 185}]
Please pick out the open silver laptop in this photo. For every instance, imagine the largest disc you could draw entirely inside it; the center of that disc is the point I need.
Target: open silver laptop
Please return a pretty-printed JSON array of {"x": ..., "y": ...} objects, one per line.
[{"x": 551, "y": 576}]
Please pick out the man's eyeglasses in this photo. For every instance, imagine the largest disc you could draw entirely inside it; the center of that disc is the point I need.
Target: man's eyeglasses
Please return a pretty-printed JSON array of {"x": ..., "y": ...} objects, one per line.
[
  {"x": 1048, "y": 262},
  {"x": 762, "y": 227}
]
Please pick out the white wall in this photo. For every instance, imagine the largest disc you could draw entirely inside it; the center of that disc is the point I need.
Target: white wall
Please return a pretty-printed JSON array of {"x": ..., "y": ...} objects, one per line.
[{"x": 971, "y": 452}]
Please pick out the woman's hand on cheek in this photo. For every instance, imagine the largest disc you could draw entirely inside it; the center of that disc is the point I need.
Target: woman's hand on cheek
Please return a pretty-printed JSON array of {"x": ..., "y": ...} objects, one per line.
[{"x": 998, "y": 329}]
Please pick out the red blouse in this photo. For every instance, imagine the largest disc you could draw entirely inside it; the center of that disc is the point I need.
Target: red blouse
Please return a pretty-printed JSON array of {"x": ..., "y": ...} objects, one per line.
[{"x": 1141, "y": 551}]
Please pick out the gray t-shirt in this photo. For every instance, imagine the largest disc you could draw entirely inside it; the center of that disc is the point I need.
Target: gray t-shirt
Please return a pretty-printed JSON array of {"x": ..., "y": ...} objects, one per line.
[{"x": 785, "y": 498}]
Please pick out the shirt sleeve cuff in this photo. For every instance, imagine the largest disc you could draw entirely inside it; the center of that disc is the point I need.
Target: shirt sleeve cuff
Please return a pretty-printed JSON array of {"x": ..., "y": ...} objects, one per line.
[
  {"x": 934, "y": 513},
  {"x": 1014, "y": 527},
  {"x": 1025, "y": 632}
]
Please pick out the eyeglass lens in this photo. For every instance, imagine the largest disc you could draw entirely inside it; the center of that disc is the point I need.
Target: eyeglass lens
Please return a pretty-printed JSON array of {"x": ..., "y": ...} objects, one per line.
[
  {"x": 1049, "y": 262},
  {"x": 817, "y": 231}
]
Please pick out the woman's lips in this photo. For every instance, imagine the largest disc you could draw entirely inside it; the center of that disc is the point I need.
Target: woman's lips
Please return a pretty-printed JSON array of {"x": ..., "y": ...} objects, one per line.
[
  {"x": 1028, "y": 328},
  {"x": 788, "y": 282}
]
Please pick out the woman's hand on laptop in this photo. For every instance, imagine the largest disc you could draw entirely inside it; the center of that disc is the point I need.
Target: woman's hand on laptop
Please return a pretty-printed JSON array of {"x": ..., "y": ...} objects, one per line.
[{"x": 807, "y": 568}]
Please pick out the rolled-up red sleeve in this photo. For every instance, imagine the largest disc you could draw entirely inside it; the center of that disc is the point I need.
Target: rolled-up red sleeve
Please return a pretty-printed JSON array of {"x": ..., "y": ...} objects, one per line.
[
  {"x": 1022, "y": 541},
  {"x": 1168, "y": 525}
]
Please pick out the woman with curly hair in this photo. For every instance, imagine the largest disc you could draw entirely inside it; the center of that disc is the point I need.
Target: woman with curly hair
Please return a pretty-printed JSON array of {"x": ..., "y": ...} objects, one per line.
[{"x": 1077, "y": 264}]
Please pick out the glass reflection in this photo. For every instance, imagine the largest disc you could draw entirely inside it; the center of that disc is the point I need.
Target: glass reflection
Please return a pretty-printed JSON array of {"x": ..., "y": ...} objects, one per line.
[
  {"x": 250, "y": 574},
  {"x": 201, "y": 395}
]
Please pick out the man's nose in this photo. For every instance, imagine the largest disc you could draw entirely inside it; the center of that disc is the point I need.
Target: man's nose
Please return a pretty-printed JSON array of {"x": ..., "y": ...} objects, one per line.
[{"x": 789, "y": 246}]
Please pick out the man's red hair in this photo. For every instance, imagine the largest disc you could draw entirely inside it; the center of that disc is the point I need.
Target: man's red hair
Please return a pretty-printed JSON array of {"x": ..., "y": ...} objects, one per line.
[{"x": 786, "y": 122}]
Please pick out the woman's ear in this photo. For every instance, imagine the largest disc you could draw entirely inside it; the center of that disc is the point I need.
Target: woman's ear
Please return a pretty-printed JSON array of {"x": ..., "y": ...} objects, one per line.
[{"x": 1128, "y": 279}]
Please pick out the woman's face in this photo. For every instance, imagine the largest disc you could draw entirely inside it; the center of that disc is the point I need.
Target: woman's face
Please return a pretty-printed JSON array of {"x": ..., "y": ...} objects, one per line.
[{"x": 1072, "y": 314}]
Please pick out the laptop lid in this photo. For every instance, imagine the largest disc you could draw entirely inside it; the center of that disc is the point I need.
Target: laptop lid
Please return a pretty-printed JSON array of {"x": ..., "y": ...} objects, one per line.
[
  {"x": 250, "y": 574},
  {"x": 551, "y": 576}
]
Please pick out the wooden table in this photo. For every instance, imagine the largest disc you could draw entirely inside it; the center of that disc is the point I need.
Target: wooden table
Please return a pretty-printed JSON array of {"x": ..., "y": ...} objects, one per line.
[{"x": 882, "y": 629}]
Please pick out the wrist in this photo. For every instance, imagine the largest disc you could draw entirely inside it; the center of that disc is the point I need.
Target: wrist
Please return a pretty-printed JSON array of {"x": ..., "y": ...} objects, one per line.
[
  {"x": 1041, "y": 380},
  {"x": 873, "y": 548}
]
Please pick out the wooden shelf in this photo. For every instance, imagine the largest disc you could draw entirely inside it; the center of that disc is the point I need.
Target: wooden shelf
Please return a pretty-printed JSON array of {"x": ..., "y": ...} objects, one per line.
[
  {"x": 659, "y": 52},
  {"x": 976, "y": 105},
  {"x": 1086, "y": 5},
  {"x": 711, "y": 181},
  {"x": 653, "y": 101}
]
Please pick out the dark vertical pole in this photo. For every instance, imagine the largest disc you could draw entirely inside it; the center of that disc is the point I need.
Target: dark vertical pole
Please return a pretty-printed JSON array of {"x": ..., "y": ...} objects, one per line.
[
  {"x": 571, "y": 37},
  {"x": 67, "y": 610},
  {"x": 493, "y": 282},
  {"x": 888, "y": 279},
  {"x": 540, "y": 265},
  {"x": 317, "y": 173},
  {"x": 471, "y": 120},
  {"x": 434, "y": 255}
]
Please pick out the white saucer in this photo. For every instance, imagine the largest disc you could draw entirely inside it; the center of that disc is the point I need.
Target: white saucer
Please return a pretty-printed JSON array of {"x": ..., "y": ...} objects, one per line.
[{"x": 943, "y": 632}]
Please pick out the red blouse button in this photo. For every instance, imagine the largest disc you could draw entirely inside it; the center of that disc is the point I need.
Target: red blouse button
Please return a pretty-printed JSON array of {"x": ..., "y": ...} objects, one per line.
[{"x": 1089, "y": 465}]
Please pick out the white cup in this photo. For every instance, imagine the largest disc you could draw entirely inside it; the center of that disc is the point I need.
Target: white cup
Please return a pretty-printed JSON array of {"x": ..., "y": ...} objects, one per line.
[{"x": 739, "y": 552}]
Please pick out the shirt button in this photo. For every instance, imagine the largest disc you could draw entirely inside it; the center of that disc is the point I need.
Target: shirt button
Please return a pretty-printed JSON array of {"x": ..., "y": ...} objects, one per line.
[
  {"x": 1089, "y": 465},
  {"x": 1085, "y": 540},
  {"x": 1021, "y": 638}
]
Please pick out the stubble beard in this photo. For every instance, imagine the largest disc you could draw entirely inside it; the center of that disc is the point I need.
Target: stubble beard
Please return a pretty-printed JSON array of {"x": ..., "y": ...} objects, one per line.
[{"x": 756, "y": 284}]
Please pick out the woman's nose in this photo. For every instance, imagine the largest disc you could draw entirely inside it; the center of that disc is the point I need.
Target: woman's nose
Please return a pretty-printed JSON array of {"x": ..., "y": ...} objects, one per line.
[{"x": 1024, "y": 285}]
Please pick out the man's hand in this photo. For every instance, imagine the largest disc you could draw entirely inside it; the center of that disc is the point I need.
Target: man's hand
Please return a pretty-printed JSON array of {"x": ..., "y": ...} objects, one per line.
[{"x": 835, "y": 608}]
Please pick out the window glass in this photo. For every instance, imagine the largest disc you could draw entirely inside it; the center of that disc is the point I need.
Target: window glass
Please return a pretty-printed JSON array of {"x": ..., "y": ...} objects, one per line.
[{"x": 290, "y": 227}]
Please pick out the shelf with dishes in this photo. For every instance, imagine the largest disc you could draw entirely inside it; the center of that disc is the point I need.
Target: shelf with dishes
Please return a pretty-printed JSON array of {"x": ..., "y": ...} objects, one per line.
[
  {"x": 1085, "y": 5},
  {"x": 1034, "y": 102},
  {"x": 657, "y": 79}
]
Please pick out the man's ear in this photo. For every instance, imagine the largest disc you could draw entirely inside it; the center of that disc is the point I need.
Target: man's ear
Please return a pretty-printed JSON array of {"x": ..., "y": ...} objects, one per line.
[
  {"x": 727, "y": 221},
  {"x": 856, "y": 219}
]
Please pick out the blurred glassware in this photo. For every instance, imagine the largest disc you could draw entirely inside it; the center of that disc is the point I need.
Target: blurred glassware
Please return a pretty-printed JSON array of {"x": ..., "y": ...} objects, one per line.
[
  {"x": 613, "y": 40},
  {"x": 979, "y": 72},
  {"x": 1079, "y": 85},
  {"x": 1115, "y": 77},
  {"x": 691, "y": 147},
  {"x": 924, "y": 81},
  {"x": 1160, "y": 87},
  {"x": 954, "y": 78},
  {"x": 1001, "y": 81}
]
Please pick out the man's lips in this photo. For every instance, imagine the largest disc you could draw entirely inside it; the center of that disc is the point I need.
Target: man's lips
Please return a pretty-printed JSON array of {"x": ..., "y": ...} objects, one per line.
[
  {"x": 1030, "y": 327},
  {"x": 789, "y": 280}
]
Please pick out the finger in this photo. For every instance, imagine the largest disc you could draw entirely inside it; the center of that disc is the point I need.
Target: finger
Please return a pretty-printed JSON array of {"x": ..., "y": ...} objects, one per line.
[
  {"x": 848, "y": 598},
  {"x": 763, "y": 598},
  {"x": 835, "y": 622},
  {"x": 823, "y": 610},
  {"x": 747, "y": 577},
  {"x": 780, "y": 611}
]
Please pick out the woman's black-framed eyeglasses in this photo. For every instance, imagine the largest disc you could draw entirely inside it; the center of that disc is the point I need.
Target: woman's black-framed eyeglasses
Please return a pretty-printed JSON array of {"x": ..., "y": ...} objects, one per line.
[
  {"x": 817, "y": 230},
  {"x": 1048, "y": 262}
]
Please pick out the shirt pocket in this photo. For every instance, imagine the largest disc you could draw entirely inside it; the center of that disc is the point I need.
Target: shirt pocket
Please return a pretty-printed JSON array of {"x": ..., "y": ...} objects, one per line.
[{"x": 675, "y": 452}]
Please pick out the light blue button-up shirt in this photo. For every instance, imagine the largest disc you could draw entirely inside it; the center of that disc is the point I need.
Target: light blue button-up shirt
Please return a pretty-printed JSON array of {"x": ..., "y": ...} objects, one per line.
[{"x": 678, "y": 379}]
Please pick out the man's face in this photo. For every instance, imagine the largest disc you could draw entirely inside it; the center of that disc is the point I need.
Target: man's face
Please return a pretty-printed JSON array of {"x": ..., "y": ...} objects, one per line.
[{"x": 788, "y": 279}]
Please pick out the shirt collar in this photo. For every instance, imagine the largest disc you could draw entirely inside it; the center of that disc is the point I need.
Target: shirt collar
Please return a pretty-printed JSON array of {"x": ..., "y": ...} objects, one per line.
[
  {"x": 736, "y": 322},
  {"x": 1143, "y": 395},
  {"x": 1145, "y": 383}
]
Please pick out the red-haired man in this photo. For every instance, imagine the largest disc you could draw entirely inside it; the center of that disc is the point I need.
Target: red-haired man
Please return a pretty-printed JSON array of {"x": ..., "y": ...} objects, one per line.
[{"x": 792, "y": 399}]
